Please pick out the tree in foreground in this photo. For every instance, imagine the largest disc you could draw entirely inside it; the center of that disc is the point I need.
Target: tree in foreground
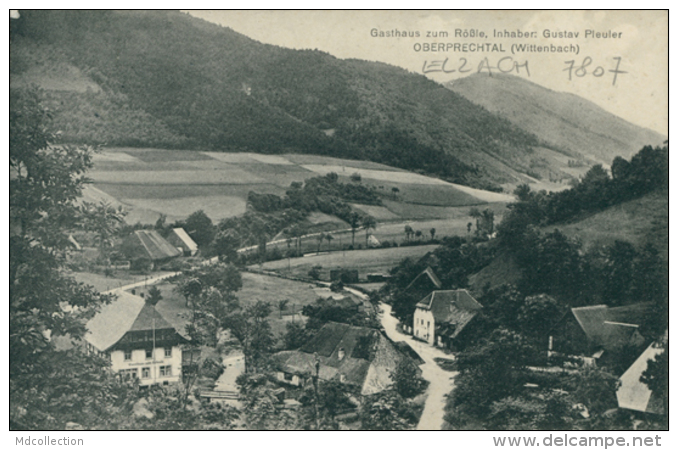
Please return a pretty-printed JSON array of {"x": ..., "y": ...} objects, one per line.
[
  {"x": 406, "y": 379},
  {"x": 49, "y": 387}
]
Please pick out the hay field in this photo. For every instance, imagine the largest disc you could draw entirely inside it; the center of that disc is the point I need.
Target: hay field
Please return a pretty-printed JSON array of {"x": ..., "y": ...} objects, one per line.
[
  {"x": 151, "y": 182},
  {"x": 365, "y": 261}
]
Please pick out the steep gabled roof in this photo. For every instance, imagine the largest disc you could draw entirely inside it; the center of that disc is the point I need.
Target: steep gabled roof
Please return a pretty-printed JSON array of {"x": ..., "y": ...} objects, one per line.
[
  {"x": 368, "y": 359},
  {"x": 429, "y": 274},
  {"x": 149, "y": 244},
  {"x": 456, "y": 308},
  {"x": 180, "y": 238},
  {"x": 635, "y": 395},
  {"x": 610, "y": 327},
  {"x": 149, "y": 319},
  {"x": 111, "y": 323},
  {"x": 127, "y": 313}
]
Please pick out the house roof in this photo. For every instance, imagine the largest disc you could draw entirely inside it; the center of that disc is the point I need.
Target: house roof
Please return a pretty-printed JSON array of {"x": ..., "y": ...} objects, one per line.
[
  {"x": 634, "y": 394},
  {"x": 127, "y": 313},
  {"x": 368, "y": 359},
  {"x": 154, "y": 245},
  {"x": 610, "y": 327},
  {"x": 182, "y": 239},
  {"x": 148, "y": 319},
  {"x": 427, "y": 273},
  {"x": 455, "y": 307},
  {"x": 111, "y": 323}
]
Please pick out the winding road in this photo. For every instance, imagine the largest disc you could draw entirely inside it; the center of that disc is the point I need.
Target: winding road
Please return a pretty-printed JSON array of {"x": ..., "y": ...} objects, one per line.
[{"x": 441, "y": 382}]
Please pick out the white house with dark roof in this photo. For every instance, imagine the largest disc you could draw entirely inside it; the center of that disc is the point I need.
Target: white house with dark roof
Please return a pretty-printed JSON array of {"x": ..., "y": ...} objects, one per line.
[
  {"x": 180, "y": 239},
  {"x": 138, "y": 341},
  {"x": 442, "y": 316}
]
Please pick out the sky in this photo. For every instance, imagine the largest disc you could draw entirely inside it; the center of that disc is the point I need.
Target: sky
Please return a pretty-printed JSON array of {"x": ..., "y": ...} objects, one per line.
[{"x": 639, "y": 95}]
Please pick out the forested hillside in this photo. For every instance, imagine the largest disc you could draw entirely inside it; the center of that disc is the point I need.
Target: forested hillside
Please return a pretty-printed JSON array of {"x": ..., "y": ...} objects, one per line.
[{"x": 165, "y": 79}]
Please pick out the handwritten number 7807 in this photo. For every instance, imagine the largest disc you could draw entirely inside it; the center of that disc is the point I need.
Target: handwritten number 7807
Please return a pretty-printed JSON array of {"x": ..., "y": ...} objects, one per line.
[{"x": 587, "y": 68}]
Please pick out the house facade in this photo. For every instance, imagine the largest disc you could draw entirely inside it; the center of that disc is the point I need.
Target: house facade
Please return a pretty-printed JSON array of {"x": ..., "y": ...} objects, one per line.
[
  {"x": 137, "y": 340},
  {"x": 442, "y": 316}
]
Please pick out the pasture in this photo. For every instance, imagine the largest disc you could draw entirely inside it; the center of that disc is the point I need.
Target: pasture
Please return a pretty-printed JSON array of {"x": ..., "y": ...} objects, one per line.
[
  {"x": 255, "y": 287},
  {"x": 365, "y": 261},
  {"x": 151, "y": 182}
]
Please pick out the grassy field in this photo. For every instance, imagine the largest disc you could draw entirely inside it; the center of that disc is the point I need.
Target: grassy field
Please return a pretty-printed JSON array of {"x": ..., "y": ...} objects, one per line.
[
  {"x": 151, "y": 182},
  {"x": 365, "y": 261},
  {"x": 255, "y": 287},
  {"x": 639, "y": 221},
  {"x": 447, "y": 221}
]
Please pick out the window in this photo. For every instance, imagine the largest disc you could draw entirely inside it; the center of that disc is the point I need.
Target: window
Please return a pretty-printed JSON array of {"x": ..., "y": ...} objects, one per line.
[
  {"x": 165, "y": 371},
  {"x": 129, "y": 374},
  {"x": 128, "y": 355},
  {"x": 149, "y": 354},
  {"x": 168, "y": 352},
  {"x": 428, "y": 324},
  {"x": 145, "y": 372},
  {"x": 288, "y": 376}
]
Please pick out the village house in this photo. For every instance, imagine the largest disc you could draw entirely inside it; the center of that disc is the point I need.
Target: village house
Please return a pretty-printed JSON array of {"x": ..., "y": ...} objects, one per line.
[
  {"x": 442, "y": 316},
  {"x": 358, "y": 357},
  {"x": 148, "y": 245},
  {"x": 632, "y": 393},
  {"x": 426, "y": 281},
  {"x": 599, "y": 334},
  {"x": 181, "y": 240},
  {"x": 137, "y": 340}
]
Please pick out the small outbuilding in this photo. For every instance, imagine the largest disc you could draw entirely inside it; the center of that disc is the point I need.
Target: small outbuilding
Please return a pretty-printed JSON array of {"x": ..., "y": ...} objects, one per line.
[{"x": 180, "y": 239}]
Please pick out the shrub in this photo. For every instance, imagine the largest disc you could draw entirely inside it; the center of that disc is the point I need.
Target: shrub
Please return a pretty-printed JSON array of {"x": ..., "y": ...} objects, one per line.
[
  {"x": 337, "y": 286},
  {"x": 140, "y": 265},
  {"x": 315, "y": 272}
]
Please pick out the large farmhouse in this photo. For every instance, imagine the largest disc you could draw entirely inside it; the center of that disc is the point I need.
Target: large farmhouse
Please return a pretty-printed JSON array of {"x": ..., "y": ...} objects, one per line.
[
  {"x": 599, "y": 332},
  {"x": 360, "y": 357},
  {"x": 150, "y": 246},
  {"x": 139, "y": 342},
  {"x": 441, "y": 317}
]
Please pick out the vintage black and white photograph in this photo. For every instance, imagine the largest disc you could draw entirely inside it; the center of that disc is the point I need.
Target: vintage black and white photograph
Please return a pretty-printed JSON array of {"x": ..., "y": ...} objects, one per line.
[{"x": 338, "y": 220}]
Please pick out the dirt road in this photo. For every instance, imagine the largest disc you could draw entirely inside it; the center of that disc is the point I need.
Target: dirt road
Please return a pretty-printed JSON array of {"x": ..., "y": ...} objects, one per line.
[{"x": 441, "y": 382}]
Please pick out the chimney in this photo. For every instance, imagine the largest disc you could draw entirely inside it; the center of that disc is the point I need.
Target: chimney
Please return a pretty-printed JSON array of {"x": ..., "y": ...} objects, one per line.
[{"x": 341, "y": 353}]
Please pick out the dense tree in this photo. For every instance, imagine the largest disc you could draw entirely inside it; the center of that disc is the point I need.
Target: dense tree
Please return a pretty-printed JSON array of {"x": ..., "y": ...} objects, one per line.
[
  {"x": 49, "y": 387},
  {"x": 387, "y": 411},
  {"x": 354, "y": 222},
  {"x": 406, "y": 379},
  {"x": 226, "y": 244},
  {"x": 656, "y": 376},
  {"x": 409, "y": 232},
  {"x": 296, "y": 335},
  {"x": 200, "y": 227},
  {"x": 154, "y": 295},
  {"x": 252, "y": 329},
  {"x": 490, "y": 371},
  {"x": 103, "y": 220},
  {"x": 329, "y": 238},
  {"x": 368, "y": 223}
]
